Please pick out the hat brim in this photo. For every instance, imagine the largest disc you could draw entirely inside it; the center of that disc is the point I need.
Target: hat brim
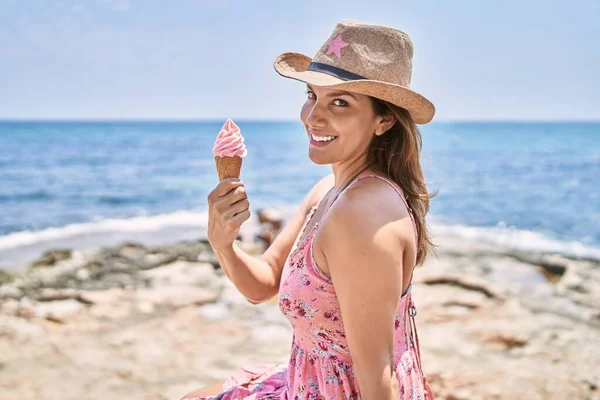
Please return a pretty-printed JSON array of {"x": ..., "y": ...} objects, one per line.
[{"x": 295, "y": 66}]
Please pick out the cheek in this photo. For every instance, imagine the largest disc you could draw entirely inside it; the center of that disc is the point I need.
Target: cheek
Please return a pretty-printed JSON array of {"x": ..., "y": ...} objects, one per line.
[{"x": 353, "y": 129}]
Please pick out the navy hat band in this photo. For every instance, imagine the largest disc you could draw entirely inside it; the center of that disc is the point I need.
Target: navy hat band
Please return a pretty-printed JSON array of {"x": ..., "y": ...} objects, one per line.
[{"x": 334, "y": 71}]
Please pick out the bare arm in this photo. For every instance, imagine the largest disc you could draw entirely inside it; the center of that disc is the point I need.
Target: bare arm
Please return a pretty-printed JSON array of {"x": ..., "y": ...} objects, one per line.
[
  {"x": 363, "y": 241},
  {"x": 258, "y": 279}
]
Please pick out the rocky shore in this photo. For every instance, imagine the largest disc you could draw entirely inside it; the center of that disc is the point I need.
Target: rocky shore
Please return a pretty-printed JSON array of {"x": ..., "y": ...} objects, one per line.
[{"x": 154, "y": 322}]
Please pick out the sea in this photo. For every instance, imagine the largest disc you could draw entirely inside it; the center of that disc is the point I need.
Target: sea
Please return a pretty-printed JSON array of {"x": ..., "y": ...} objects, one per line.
[{"x": 528, "y": 186}]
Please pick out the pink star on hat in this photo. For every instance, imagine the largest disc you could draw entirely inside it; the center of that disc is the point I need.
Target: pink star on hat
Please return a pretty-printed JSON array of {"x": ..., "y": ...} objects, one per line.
[{"x": 336, "y": 45}]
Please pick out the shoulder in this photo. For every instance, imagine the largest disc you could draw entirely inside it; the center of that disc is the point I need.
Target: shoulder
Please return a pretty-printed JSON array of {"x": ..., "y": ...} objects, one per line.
[
  {"x": 367, "y": 231},
  {"x": 371, "y": 209},
  {"x": 319, "y": 190},
  {"x": 371, "y": 198}
]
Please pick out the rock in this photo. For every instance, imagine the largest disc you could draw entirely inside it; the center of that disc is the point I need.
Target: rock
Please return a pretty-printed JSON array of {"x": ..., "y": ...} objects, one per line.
[
  {"x": 9, "y": 307},
  {"x": 19, "y": 329},
  {"x": 208, "y": 256},
  {"x": 83, "y": 274},
  {"x": 120, "y": 280},
  {"x": 5, "y": 277},
  {"x": 112, "y": 303},
  {"x": 57, "y": 275},
  {"x": 231, "y": 297},
  {"x": 10, "y": 291},
  {"x": 176, "y": 297},
  {"x": 153, "y": 322},
  {"x": 191, "y": 251},
  {"x": 181, "y": 283},
  {"x": 145, "y": 307},
  {"x": 93, "y": 265},
  {"x": 182, "y": 273},
  {"x": 156, "y": 259},
  {"x": 465, "y": 283},
  {"x": 59, "y": 310},
  {"x": 62, "y": 294},
  {"x": 51, "y": 257},
  {"x": 507, "y": 340},
  {"x": 215, "y": 311},
  {"x": 132, "y": 250}
]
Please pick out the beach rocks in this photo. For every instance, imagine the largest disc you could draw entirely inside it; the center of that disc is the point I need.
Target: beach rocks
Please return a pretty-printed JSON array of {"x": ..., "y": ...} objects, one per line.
[
  {"x": 116, "y": 267},
  {"x": 494, "y": 325},
  {"x": 51, "y": 257},
  {"x": 5, "y": 277},
  {"x": 159, "y": 321}
]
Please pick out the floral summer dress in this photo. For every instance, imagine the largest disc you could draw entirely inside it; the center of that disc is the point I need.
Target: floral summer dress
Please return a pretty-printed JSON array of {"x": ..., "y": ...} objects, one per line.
[{"x": 320, "y": 365}]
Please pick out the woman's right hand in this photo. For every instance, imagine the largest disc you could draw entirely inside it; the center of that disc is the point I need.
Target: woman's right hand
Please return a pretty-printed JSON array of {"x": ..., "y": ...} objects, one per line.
[{"x": 228, "y": 209}]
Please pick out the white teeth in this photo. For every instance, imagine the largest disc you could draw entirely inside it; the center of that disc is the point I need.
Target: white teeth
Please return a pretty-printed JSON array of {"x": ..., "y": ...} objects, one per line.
[{"x": 322, "y": 138}]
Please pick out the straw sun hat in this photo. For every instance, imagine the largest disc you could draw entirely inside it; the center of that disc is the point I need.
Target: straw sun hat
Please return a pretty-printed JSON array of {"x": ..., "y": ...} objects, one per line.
[{"x": 369, "y": 59}]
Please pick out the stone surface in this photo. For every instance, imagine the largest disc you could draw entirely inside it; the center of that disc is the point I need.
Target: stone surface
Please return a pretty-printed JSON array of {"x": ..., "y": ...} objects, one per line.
[{"x": 156, "y": 322}]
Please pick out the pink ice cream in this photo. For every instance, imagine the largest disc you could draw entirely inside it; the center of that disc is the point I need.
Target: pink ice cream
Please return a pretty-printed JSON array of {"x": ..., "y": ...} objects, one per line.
[{"x": 230, "y": 142}]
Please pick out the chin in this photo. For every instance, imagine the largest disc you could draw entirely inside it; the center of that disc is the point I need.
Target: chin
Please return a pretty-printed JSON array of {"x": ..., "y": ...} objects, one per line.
[{"x": 318, "y": 160}]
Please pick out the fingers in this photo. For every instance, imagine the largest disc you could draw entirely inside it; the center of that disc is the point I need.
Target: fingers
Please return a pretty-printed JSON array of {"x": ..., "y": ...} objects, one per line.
[
  {"x": 234, "y": 222},
  {"x": 227, "y": 193},
  {"x": 239, "y": 206},
  {"x": 237, "y": 194},
  {"x": 230, "y": 211},
  {"x": 226, "y": 186},
  {"x": 240, "y": 218},
  {"x": 228, "y": 208},
  {"x": 232, "y": 200}
]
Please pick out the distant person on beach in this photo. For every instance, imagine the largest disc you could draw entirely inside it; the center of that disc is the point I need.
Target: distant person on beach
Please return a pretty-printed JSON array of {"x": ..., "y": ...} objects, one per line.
[
  {"x": 342, "y": 267},
  {"x": 270, "y": 222}
]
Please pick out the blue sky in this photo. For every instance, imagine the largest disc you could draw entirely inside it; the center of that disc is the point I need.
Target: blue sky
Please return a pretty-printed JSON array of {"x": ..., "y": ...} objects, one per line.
[{"x": 197, "y": 59}]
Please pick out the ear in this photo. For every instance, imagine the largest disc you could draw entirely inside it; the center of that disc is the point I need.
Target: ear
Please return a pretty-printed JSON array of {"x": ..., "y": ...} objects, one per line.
[{"x": 386, "y": 123}]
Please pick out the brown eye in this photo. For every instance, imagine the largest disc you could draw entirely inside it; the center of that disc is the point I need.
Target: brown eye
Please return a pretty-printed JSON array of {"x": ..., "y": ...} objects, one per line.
[
  {"x": 308, "y": 92},
  {"x": 343, "y": 103}
]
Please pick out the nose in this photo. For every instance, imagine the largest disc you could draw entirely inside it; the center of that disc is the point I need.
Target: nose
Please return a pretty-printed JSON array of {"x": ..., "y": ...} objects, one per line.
[{"x": 315, "y": 115}]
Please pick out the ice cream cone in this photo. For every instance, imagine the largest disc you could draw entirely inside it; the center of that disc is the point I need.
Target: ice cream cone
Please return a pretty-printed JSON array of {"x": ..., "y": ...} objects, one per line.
[
  {"x": 229, "y": 150},
  {"x": 228, "y": 167}
]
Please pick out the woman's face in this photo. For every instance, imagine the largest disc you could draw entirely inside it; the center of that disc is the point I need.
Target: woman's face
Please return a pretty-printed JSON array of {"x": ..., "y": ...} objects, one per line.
[{"x": 347, "y": 117}]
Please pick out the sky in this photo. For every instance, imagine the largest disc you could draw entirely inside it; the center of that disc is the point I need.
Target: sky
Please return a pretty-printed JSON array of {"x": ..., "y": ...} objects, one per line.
[{"x": 213, "y": 59}]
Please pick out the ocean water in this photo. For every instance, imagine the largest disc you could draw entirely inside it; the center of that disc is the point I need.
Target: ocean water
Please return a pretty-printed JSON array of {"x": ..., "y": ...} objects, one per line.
[{"x": 524, "y": 185}]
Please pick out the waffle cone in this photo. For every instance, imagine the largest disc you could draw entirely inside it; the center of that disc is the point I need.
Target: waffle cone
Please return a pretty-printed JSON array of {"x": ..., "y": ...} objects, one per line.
[{"x": 228, "y": 167}]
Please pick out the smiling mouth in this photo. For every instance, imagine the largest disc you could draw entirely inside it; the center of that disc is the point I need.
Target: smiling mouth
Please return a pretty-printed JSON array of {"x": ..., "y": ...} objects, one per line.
[{"x": 322, "y": 138}]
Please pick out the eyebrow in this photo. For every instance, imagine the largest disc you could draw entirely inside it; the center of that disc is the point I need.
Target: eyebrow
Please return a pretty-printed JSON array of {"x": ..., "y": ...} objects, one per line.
[{"x": 337, "y": 93}]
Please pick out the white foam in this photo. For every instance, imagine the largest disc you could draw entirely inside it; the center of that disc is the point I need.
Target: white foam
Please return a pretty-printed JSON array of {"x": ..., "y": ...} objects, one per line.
[
  {"x": 20, "y": 247},
  {"x": 516, "y": 239},
  {"x": 180, "y": 219}
]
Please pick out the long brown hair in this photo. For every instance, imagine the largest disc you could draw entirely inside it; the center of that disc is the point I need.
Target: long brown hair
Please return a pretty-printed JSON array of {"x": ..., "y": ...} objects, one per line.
[{"x": 396, "y": 155}]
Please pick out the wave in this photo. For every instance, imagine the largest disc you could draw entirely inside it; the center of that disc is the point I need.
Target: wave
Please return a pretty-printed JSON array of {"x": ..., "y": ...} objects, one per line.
[
  {"x": 515, "y": 239},
  {"x": 506, "y": 237},
  {"x": 155, "y": 223}
]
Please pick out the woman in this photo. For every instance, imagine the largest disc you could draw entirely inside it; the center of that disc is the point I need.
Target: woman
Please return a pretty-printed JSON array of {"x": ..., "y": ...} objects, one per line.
[{"x": 342, "y": 267}]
